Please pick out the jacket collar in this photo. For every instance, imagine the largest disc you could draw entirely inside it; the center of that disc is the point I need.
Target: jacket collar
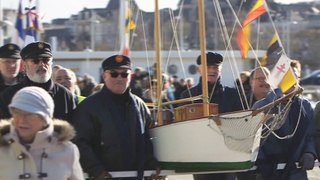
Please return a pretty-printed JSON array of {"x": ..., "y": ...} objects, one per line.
[{"x": 59, "y": 130}]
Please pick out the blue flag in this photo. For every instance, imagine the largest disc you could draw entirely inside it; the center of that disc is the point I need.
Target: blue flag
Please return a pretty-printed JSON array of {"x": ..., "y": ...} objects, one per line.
[{"x": 19, "y": 26}]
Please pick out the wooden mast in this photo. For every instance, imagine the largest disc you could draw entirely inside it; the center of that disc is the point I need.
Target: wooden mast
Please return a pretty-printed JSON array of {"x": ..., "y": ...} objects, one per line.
[
  {"x": 157, "y": 41},
  {"x": 204, "y": 78}
]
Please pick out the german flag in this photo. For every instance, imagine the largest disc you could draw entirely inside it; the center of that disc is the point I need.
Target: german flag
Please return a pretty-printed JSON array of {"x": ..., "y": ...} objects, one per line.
[{"x": 243, "y": 36}]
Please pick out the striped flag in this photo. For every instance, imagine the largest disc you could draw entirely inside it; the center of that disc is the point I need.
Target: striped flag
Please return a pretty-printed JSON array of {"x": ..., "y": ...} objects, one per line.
[
  {"x": 243, "y": 36},
  {"x": 19, "y": 39},
  {"x": 273, "y": 52}
]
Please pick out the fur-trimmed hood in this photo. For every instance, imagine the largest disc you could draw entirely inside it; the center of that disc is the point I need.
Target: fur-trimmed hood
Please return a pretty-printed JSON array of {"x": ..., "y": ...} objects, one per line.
[{"x": 63, "y": 131}]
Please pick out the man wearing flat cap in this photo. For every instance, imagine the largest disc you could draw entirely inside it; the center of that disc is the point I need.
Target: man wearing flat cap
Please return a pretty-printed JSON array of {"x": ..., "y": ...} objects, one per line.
[
  {"x": 37, "y": 61},
  {"x": 112, "y": 125},
  {"x": 226, "y": 97},
  {"x": 9, "y": 66}
]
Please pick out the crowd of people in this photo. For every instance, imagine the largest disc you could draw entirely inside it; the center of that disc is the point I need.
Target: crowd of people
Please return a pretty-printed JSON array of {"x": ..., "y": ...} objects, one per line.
[{"x": 55, "y": 125}]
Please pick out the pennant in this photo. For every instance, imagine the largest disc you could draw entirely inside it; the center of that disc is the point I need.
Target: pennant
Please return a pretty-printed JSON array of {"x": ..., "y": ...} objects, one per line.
[
  {"x": 282, "y": 75},
  {"x": 19, "y": 39},
  {"x": 243, "y": 36},
  {"x": 273, "y": 52}
]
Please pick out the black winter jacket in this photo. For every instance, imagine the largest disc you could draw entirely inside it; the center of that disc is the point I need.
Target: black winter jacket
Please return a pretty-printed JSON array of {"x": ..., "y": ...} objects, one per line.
[
  {"x": 63, "y": 99},
  {"x": 109, "y": 133}
]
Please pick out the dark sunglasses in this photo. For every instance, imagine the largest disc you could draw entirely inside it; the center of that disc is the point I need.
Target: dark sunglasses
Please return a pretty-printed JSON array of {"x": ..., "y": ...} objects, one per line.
[
  {"x": 37, "y": 60},
  {"x": 116, "y": 74}
]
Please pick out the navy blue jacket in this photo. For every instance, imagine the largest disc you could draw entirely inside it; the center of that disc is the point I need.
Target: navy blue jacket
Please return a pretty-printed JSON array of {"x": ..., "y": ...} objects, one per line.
[
  {"x": 109, "y": 134},
  {"x": 226, "y": 97},
  {"x": 275, "y": 150}
]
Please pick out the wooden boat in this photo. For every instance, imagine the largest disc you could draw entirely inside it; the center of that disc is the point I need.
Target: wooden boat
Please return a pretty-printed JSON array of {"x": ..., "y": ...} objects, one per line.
[
  {"x": 216, "y": 143},
  {"x": 200, "y": 139}
]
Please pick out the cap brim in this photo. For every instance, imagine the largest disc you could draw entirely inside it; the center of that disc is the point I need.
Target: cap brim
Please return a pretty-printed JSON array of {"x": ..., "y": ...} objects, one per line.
[
  {"x": 214, "y": 64},
  {"x": 38, "y": 55},
  {"x": 117, "y": 67},
  {"x": 12, "y": 57}
]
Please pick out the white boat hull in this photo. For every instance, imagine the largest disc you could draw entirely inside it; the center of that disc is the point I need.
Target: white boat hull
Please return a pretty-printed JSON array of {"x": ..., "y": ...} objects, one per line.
[{"x": 199, "y": 145}]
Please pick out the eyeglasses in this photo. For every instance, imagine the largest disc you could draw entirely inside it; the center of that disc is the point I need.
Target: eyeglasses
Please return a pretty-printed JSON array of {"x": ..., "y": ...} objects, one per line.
[
  {"x": 44, "y": 60},
  {"x": 260, "y": 78},
  {"x": 114, "y": 74}
]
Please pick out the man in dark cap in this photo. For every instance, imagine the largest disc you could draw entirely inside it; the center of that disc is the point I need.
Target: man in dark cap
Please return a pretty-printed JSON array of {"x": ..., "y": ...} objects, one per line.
[
  {"x": 112, "y": 125},
  {"x": 227, "y": 98},
  {"x": 9, "y": 66},
  {"x": 37, "y": 62}
]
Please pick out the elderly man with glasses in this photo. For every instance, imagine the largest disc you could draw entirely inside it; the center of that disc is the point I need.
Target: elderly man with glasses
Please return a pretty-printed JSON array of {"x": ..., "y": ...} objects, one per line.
[
  {"x": 112, "y": 125},
  {"x": 37, "y": 62}
]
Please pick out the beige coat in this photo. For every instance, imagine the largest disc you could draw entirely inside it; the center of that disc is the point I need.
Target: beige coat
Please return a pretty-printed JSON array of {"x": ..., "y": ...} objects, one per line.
[{"x": 51, "y": 154}]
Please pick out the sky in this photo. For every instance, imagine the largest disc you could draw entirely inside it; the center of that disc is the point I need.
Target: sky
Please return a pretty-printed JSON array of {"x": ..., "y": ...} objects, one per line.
[{"x": 51, "y": 9}]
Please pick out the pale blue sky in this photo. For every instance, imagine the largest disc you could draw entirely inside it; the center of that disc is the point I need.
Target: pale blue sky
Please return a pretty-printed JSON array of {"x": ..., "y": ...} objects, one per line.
[{"x": 50, "y": 9}]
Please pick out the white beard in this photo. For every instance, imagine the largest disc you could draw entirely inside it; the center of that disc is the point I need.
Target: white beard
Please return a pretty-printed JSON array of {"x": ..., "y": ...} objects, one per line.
[{"x": 39, "y": 78}]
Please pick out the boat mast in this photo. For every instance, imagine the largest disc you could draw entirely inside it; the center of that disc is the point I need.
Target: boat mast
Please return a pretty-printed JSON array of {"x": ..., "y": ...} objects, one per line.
[
  {"x": 202, "y": 37},
  {"x": 157, "y": 41}
]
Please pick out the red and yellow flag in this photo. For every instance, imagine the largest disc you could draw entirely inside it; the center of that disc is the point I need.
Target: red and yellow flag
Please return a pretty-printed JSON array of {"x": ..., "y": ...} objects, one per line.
[
  {"x": 243, "y": 36},
  {"x": 257, "y": 10}
]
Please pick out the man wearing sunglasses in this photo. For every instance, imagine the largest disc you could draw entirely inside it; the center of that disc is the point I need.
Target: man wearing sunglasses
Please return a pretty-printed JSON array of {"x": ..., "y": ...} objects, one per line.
[
  {"x": 37, "y": 62},
  {"x": 112, "y": 125}
]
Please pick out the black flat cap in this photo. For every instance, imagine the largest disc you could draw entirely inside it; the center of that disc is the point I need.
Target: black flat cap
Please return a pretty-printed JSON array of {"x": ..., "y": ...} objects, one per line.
[
  {"x": 212, "y": 59},
  {"x": 35, "y": 50},
  {"x": 116, "y": 61},
  {"x": 10, "y": 51}
]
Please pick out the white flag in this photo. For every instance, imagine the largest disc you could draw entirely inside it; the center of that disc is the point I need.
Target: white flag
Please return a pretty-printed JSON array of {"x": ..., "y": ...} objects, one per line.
[{"x": 279, "y": 70}]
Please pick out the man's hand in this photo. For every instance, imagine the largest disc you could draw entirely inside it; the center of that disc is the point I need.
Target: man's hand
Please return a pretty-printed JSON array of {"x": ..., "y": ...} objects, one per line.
[
  {"x": 156, "y": 175},
  {"x": 307, "y": 161},
  {"x": 102, "y": 176}
]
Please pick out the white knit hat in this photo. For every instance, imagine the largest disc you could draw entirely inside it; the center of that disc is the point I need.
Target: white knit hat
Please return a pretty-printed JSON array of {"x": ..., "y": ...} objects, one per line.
[{"x": 34, "y": 100}]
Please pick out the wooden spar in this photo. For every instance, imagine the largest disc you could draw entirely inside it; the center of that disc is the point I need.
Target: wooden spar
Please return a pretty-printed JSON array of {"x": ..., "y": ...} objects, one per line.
[
  {"x": 178, "y": 101},
  {"x": 203, "y": 66},
  {"x": 157, "y": 42}
]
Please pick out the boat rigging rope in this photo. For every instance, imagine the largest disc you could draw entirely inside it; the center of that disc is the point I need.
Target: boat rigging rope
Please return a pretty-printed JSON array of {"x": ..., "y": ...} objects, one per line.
[{"x": 295, "y": 129}]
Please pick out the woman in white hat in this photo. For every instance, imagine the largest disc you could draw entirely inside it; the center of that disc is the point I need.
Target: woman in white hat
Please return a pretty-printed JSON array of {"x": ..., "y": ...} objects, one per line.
[{"x": 32, "y": 145}]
